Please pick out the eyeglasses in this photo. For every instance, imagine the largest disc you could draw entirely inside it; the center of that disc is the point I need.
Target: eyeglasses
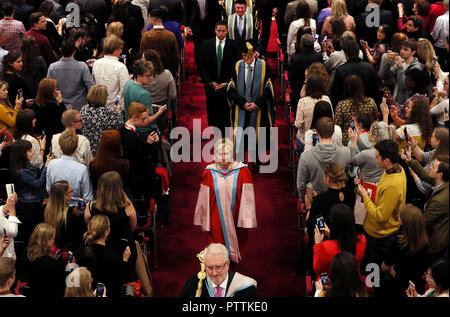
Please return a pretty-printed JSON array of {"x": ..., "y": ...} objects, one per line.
[
  {"x": 81, "y": 120},
  {"x": 429, "y": 276},
  {"x": 217, "y": 268},
  {"x": 69, "y": 192},
  {"x": 148, "y": 75}
]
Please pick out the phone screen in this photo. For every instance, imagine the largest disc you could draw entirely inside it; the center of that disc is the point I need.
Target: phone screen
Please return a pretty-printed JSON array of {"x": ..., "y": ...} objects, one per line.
[
  {"x": 81, "y": 205},
  {"x": 358, "y": 171},
  {"x": 315, "y": 139},
  {"x": 3, "y": 138},
  {"x": 406, "y": 133},
  {"x": 100, "y": 289},
  {"x": 20, "y": 93},
  {"x": 324, "y": 279},
  {"x": 320, "y": 223},
  {"x": 4, "y": 232},
  {"x": 325, "y": 38},
  {"x": 352, "y": 124}
]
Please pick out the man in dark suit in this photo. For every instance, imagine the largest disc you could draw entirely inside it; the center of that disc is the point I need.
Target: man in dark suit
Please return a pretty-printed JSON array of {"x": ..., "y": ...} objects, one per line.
[
  {"x": 300, "y": 62},
  {"x": 216, "y": 76},
  {"x": 22, "y": 12},
  {"x": 200, "y": 18},
  {"x": 370, "y": 33},
  {"x": 354, "y": 66},
  {"x": 217, "y": 280},
  {"x": 243, "y": 26}
]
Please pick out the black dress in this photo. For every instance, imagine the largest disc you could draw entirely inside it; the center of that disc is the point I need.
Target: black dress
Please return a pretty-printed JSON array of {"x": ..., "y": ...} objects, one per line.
[
  {"x": 120, "y": 232},
  {"x": 70, "y": 235},
  {"x": 106, "y": 266},
  {"x": 48, "y": 118},
  {"x": 44, "y": 275}
]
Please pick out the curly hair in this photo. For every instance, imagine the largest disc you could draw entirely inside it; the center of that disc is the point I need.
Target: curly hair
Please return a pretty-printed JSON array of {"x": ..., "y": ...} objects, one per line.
[{"x": 420, "y": 114}]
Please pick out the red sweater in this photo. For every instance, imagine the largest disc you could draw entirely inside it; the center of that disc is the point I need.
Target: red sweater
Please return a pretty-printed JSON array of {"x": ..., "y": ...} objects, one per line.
[
  {"x": 436, "y": 10},
  {"x": 324, "y": 253},
  {"x": 44, "y": 46}
]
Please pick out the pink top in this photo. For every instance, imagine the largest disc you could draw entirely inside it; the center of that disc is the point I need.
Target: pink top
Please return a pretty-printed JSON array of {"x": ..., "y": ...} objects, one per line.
[{"x": 348, "y": 21}]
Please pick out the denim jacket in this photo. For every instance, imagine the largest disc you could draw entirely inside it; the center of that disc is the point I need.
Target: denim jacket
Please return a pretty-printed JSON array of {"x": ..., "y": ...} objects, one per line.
[{"x": 32, "y": 184}]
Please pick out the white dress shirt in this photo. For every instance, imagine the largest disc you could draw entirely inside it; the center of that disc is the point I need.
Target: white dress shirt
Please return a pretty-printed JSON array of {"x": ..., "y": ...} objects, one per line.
[
  {"x": 83, "y": 153},
  {"x": 113, "y": 74},
  {"x": 11, "y": 226},
  {"x": 223, "y": 286},
  {"x": 441, "y": 30}
]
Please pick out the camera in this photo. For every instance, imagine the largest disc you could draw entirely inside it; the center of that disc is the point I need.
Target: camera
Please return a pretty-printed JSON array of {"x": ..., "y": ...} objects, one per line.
[{"x": 324, "y": 279}]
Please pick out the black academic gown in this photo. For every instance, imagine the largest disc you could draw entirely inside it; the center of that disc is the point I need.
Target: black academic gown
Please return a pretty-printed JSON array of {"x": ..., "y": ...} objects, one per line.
[
  {"x": 190, "y": 288},
  {"x": 217, "y": 107}
]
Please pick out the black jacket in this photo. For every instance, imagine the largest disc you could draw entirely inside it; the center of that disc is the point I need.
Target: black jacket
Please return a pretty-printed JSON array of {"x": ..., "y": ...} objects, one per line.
[
  {"x": 208, "y": 71},
  {"x": 367, "y": 74},
  {"x": 299, "y": 63},
  {"x": 192, "y": 14}
]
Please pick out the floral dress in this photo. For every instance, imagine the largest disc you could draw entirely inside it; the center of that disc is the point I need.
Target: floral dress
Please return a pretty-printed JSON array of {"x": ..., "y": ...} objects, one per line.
[{"x": 97, "y": 120}]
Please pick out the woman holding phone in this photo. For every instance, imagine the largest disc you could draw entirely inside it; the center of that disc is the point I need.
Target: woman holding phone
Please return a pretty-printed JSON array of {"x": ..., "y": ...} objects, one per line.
[
  {"x": 384, "y": 34},
  {"x": 437, "y": 280},
  {"x": 39, "y": 268},
  {"x": 12, "y": 73},
  {"x": 29, "y": 182},
  {"x": 49, "y": 108},
  {"x": 8, "y": 114},
  {"x": 68, "y": 221},
  {"x": 113, "y": 202},
  {"x": 342, "y": 237},
  {"x": 106, "y": 265},
  {"x": 25, "y": 123}
]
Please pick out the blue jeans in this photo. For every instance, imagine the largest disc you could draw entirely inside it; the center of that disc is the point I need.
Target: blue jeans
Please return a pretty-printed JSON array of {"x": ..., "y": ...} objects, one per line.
[{"x": 300, "y": 147}]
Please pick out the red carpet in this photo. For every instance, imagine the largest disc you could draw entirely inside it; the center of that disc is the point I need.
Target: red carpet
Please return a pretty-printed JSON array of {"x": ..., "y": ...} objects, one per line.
[{"x": 271, "y": 248}]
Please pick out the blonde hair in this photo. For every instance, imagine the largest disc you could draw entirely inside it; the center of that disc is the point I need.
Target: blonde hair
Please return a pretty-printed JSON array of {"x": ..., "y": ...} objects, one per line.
[
  {"x": 68, "y": 142},
  {"x": 97, "y": 95},
  {"x": 110, "y": 193},
  {"x": 38, "y": 243},
  {"x": 80, "y": 283},
  {"x": 96, "y": 229},
  {"x": 56, "y": 209},
  {"x": 414, "y": 236},
  {"x": 380, "y": 130},
  {"x": 335, "y": 172},
  {"x": 111, "y": 44},
  {"x": 115, "y": 29},
  {"x": 426, "y": 51},
  {"x": 339, "y": 9}
]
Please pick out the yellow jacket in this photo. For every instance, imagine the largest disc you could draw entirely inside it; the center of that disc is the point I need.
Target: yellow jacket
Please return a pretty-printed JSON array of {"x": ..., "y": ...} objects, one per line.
[
  {"x": 382, "y": 218},
  {"x": 8, "y": 119}
]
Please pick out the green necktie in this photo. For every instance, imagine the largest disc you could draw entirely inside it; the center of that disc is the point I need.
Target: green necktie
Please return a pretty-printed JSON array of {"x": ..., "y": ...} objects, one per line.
[{"x": 219, "y": 58}]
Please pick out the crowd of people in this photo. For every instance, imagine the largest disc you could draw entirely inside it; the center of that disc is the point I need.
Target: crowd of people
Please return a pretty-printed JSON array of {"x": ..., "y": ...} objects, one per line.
[{"x": 84, "y": 120}]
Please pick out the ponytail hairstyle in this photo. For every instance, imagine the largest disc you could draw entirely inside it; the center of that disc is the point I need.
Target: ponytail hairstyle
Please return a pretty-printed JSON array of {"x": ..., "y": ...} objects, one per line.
[{"x": 96, "y": 229}]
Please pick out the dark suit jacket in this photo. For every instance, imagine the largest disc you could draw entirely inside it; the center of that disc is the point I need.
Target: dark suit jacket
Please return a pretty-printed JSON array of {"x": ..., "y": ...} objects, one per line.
[
  {"x": 370, "y": 34},
  {"x": 299, "y": 63},
  {"x": 208, "y": 63},
  {"x": 142, "y": 157},
  {"x": 192, "y": 14},
  {"x": 436, "y": 219},
  {"x": 190, "y": 288},
  {"x": 22, "y": 12},
  {"x": 175, "y": 8},
  {"x": 358, "y": 67}
]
